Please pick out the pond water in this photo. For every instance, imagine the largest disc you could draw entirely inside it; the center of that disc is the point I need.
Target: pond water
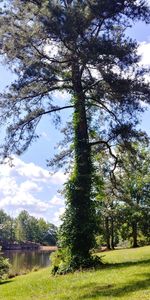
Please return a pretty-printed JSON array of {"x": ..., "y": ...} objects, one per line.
[{"x": 27, "y": 260}]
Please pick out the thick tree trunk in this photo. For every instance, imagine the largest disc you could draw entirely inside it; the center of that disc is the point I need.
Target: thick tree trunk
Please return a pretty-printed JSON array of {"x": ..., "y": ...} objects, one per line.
[
  {"x": 80, "y": 213},
  {"x": 134, "y": 234}
]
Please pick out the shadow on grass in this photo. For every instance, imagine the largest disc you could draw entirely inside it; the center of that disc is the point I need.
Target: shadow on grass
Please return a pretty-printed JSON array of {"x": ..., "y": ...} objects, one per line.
[
  {"x": 96, "y": 291},
  {"x": 5, "y": 282},
  {"x": 126, "y": 264},
  {"x": 93, "y": 290}
]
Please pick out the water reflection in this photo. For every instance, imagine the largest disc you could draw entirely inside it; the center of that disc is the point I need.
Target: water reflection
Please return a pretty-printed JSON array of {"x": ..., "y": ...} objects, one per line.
[{"x": 27, "y": 260}]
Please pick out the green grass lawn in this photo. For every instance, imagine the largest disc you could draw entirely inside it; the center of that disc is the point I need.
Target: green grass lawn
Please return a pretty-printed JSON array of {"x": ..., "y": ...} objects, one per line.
[{"x": 126, "y": 275}]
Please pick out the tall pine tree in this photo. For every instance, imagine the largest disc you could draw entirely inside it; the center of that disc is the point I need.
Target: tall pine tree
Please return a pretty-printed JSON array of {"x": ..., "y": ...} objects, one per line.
[{"x": 79, "y": 47}]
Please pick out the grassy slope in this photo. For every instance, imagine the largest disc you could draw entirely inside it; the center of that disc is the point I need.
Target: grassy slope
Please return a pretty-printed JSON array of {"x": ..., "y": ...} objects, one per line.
[{"x": 127, "y": 278}]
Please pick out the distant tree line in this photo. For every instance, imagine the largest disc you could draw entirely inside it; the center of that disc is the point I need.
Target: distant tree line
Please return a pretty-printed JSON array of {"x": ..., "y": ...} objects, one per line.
[{"x": 26, "y": 228}]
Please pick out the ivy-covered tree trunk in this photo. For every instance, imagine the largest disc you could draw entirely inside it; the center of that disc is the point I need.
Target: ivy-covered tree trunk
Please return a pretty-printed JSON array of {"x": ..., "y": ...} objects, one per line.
[{"x": 79, "y": 222}]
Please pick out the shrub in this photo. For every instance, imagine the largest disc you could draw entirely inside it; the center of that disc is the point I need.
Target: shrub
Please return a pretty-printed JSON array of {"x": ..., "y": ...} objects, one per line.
[
  {"x": 61, "y": 262},
  {"x": 100, "y": 241},
  {"x": 4, "y": 267}
]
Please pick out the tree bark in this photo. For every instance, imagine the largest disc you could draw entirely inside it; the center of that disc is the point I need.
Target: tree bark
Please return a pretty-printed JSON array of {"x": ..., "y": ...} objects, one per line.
[
  {"x": 134, "y": 234},
  {"x": 112, "y": 232},
  {"x": 107, "y": 233}
]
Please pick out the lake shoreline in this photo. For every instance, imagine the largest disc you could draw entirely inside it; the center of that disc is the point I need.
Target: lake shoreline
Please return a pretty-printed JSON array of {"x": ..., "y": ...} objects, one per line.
[
  {"x": 26, "y": 246},
  {"x": 48, "y": 248},
  {"x": 23, "y": 261}
]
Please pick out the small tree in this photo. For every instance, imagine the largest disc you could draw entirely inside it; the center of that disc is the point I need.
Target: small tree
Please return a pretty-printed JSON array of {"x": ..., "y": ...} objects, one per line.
[{"x": 4, "y": 267}]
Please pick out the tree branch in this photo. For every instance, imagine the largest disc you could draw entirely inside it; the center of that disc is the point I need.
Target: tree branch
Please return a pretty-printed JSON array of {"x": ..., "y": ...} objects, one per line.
[
  {"x": 105, "y": 143},
  {"x": 57, "y": 109},
  {"x": 42, "y": 112},
  {"x": 44, "y": 92},
  {"x": 48, "y": 57},
  {"x": 112, "y": 175},
  {"x": 107, "y": 109}
]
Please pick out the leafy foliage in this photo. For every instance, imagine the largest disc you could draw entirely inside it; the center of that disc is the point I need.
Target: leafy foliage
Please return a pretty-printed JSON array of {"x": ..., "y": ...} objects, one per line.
[{"x": 4, "y": 267}]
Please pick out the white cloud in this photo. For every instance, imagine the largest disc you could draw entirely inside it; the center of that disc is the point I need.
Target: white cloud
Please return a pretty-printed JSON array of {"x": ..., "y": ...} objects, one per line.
[
  {"x": 56, "y": 200},
  {"x": 29, "y": 186},
  {"x": 61, "y": 96},
  {"x": 24, "y": 200},
  {"x": 59, "y": 178},
  {"x": 5, "y": 170},
  {"x": 8, "y": 186},
  {"x": 30, "y": 170},
  {"x": 144, "y": 51},
  {"x": 57, "y": 216}
]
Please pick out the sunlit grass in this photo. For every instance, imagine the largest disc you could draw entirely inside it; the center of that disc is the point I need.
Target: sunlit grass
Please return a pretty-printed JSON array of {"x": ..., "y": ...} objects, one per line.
[{"x": 126, "y": 275}]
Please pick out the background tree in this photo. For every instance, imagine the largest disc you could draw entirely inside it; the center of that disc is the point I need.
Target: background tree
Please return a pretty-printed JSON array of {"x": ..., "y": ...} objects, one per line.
[
  {"x": 92, "y": 60},
  {"x": 135, "y": 187},
  {"x": 47, "y": 234},
  {"x": 22, "y": 226},
  {"x": 123, "y": 206},
  {"x": 26, "y": 228},
  {"x": 7, "y": 227}
]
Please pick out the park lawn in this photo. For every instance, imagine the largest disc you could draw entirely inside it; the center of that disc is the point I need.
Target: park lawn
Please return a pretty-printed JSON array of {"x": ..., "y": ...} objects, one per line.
[{"x": 126, "y": 276}]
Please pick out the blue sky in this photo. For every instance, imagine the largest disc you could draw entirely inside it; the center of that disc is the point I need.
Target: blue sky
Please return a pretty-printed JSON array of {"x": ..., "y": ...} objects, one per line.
[{"x": 29, "y": 184}]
